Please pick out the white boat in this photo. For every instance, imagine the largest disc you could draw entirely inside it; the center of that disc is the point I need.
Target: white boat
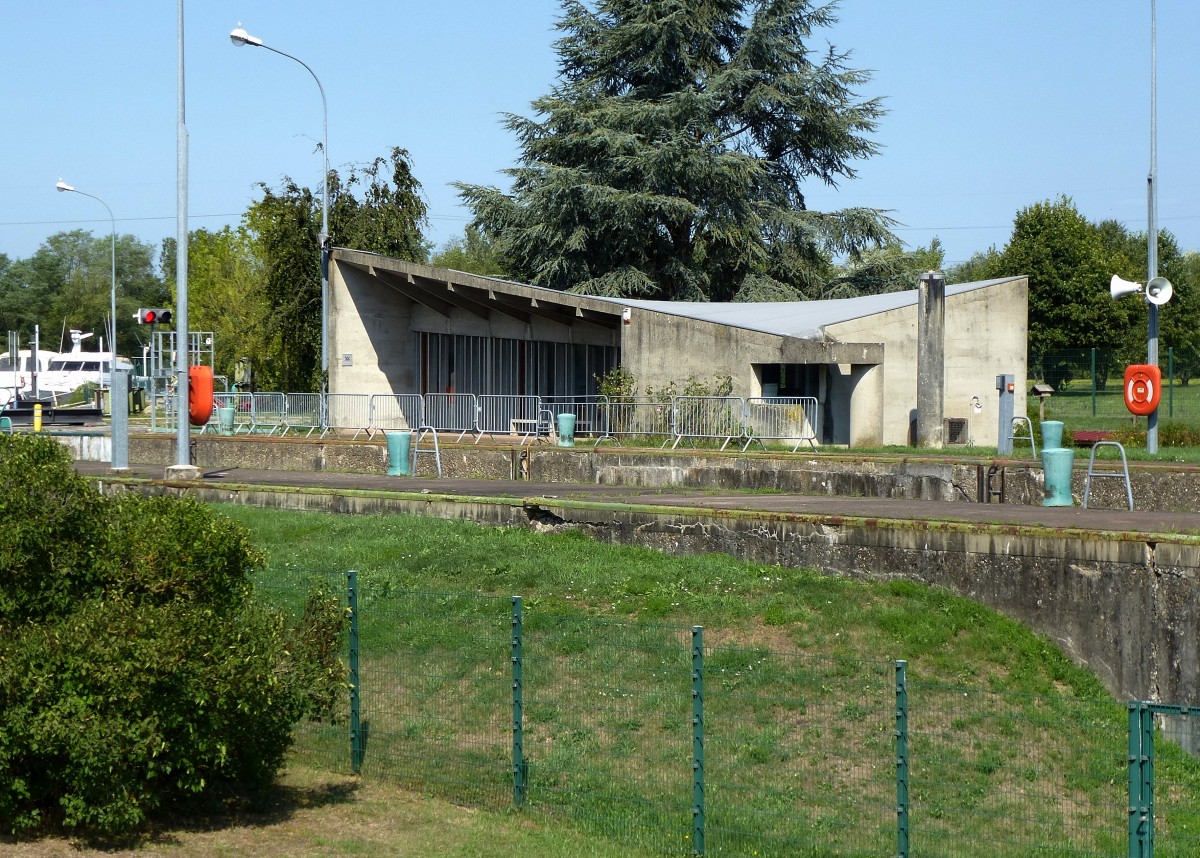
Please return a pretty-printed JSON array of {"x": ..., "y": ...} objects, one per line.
[{"x": 55, "y": 375}]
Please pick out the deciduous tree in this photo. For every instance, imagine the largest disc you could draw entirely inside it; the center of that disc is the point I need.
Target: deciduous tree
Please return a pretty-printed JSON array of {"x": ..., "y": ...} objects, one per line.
[
  {"x": 378, "y": 208},
  {"x": 67, "y": 283}
]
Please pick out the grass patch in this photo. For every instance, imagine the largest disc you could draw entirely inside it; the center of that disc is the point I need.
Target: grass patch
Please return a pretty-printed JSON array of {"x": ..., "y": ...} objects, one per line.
[
  {"x": 1015, "y": 750},
  {"x": 311, "y": 812}
]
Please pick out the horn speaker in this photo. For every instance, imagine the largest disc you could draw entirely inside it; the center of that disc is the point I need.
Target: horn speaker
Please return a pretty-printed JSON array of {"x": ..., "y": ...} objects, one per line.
[
  {"x": 1118, "y": 287},
  {"x": 1159, "y": 291}
]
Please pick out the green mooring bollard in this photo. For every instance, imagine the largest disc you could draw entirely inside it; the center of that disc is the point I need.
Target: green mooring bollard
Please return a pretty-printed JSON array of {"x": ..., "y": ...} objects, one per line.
[
  {"x": 1057, "y": 465},
  {"x": 399, "y": 453},
  {"x": 566, "y": 430},
  {"x": 1052, "y": 432},
  {"x": 225, "y": 420}
]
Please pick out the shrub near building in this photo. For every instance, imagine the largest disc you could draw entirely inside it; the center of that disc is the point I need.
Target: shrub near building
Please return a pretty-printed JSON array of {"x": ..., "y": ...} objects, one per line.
[{"x": 136, "y": 671}]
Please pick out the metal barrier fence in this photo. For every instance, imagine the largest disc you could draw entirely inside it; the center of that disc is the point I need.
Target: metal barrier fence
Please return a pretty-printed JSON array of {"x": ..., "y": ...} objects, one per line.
[
  {"x": 452, "y": 412},
  {"x": 348, "y": 412},
  {"x": 788, "y": 419},
  {"x": 720, "y": 418},
  {"x": 303, "y": 413},
  {"x": 649, "y": 419},
  {"x": 637, "y": 416},
  {"x": 397, "y": 411},
  {"x": 510, "y": 415},
  {"x": 647, "y": 735}
]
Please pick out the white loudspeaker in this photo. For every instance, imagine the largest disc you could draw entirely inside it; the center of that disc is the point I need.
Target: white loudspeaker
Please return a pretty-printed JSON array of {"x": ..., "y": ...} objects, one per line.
[
  {"x": 1159, "y": 291},
  {"x": 1118, "y": 287}
]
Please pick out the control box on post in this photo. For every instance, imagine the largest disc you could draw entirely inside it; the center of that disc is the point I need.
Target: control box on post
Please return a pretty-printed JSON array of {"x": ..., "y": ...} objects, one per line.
[{"x": 1007, "y": 386}]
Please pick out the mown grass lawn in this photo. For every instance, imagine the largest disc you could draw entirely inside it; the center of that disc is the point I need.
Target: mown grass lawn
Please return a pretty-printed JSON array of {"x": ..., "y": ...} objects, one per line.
[{"x": 1015, "y": 748}]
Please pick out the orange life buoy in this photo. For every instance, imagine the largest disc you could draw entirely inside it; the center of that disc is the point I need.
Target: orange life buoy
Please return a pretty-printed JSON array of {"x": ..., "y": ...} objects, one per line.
[
  {"x": 1143, "y": 388},
  {"x": 200, "y": 394}
]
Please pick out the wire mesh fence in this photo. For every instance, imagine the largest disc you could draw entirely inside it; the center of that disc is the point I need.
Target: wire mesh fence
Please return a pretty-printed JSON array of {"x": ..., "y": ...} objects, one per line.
[
  {"x": 645, "y": 734},
  {"x": 1012, "y": 774},
  {"x": 1089, "y": 384},
  {"x": 799, "y": 754},
  {"x": 607, "y": 727}
]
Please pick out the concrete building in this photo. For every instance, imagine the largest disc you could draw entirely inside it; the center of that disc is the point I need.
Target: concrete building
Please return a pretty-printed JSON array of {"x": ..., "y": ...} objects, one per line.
[{"x": 400, "y": 327}]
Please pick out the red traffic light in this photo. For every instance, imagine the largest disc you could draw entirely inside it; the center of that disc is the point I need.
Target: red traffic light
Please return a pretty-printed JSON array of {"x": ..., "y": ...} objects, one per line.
[{"x": 154, "y": 316}]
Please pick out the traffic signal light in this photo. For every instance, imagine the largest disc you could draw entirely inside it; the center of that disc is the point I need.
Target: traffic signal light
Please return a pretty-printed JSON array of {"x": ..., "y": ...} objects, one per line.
[{"x": 154, "y": 316}]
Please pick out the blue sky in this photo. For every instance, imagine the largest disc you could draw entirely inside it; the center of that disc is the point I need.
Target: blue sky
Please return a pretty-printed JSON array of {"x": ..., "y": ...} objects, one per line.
[{"x": 993, "y": 105}]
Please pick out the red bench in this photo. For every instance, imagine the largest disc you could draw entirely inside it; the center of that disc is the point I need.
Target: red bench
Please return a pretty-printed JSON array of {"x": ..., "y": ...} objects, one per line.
[{"x": 1089, "y": 437}]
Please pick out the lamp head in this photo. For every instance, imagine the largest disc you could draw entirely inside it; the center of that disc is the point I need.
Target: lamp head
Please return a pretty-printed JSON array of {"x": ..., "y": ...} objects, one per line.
[
  {"x": 240, "y": 37},
  {"x": 63, "y": 186}
]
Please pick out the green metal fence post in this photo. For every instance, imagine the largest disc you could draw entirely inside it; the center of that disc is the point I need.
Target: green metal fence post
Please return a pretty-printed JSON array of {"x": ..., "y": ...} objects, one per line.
[
  {"x": 1135, "y": 779},
  {"x": 519, "y": 767},
  {"x": 1148, "y": 777},
  {"x": 1170, "y": 381},
  {"x": 697, "y": 740},
  {"x": 356, "y": 737},
  {"x": 901, "y": 759},
  {"x": 1093, "y": 382},
  {"x": 1138, "y": 812}
]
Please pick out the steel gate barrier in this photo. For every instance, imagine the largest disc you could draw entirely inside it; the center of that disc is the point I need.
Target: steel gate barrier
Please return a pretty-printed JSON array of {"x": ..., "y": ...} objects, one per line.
[
  {"x": 715, "y": 417},
  {"x": 509, "y": 415},
  {"x": 348, "y": 411},
  {"x": 397, "y": 411},
  {"x": 452, "y": 412},
  {"x": 780, "y": 418}
]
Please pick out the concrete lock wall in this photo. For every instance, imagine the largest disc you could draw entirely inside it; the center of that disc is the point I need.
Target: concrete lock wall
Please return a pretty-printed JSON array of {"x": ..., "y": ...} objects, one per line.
[
  {"x": 1154, "y": 486},
  {"x": 1127, "y": 606}
]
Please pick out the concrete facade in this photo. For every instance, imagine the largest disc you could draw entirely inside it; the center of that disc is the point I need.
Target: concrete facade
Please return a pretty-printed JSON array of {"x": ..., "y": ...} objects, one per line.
[
  {"x": 985, "y": 336},
  {"x": 857, "y": 356}
]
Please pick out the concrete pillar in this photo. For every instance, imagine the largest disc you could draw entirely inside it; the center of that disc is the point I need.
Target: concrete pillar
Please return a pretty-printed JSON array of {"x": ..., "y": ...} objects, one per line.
[
  {"x": 931, "y": 361},
  {"x": 866, "y": 406}
]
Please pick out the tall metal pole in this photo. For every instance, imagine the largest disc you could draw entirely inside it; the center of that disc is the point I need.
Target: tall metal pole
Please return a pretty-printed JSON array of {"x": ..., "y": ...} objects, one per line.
[
  {"x": 1152, "y": 227},
  {"x": 183, "y": 459},
  {"x": 240, "y": 37}
]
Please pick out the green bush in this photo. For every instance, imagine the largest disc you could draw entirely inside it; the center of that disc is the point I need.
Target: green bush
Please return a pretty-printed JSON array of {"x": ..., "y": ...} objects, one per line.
[{"x": 136, "y": 671}]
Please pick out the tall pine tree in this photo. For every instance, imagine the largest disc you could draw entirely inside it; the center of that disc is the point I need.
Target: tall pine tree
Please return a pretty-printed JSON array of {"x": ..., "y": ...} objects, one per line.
[{"x": 670, "y": 160}]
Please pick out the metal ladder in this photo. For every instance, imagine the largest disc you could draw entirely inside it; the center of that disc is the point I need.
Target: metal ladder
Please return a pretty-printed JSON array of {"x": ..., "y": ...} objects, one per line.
[
  {"x": 422, "y": 431},
  {"x": 1028, "y": 437},
  {"x": 1091, "y": 472}
]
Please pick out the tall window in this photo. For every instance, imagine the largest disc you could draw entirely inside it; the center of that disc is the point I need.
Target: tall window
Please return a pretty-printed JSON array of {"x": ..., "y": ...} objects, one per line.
[{"x": 454, "y": 363}]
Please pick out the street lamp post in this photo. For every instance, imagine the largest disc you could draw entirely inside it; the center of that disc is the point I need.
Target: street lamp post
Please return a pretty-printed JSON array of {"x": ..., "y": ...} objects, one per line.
[
  {"x": 112, "y": 331},
  {"x": 240, "y": 37}
]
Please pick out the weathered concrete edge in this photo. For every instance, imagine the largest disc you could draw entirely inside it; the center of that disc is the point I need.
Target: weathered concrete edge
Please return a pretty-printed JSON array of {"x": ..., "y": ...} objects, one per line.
[{"x": 1127, "y": 608}]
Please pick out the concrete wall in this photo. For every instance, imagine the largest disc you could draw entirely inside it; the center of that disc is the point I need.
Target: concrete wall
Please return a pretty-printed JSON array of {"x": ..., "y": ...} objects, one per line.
[
  {"x": 373, "y": 325},
  {"x": 1171, "y": 488},
  {"x": 665, "y": 351},
  {"x": 986, "y": 334},
  {"x": 1127, "y": 609}
]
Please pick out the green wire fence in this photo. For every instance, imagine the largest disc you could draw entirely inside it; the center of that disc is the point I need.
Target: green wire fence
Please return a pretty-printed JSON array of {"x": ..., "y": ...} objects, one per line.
[{"x": 691, "y": 741}]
